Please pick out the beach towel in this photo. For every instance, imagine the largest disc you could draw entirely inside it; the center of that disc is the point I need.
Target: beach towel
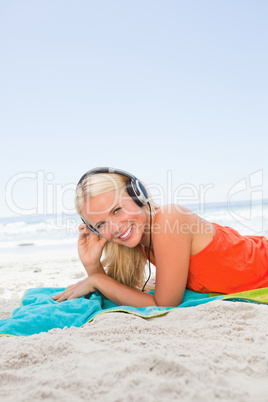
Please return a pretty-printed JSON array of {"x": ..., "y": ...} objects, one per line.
[{"x": 40, "y": 313}]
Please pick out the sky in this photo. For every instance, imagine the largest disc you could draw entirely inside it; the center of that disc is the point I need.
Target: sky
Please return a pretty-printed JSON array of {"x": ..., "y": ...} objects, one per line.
[{"x": 175, "y": 92}]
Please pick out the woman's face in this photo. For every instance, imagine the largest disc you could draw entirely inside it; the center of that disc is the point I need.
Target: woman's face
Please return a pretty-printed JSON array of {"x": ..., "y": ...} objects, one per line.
[{"x": 118, "y": 218}]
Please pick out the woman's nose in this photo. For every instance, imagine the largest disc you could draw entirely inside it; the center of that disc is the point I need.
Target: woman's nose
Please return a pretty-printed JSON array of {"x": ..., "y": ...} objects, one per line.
[{"x": 115, "y": 227}]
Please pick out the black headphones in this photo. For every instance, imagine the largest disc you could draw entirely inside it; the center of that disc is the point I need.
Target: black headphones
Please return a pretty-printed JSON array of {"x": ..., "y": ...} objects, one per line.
[{"x": 135, "y": 188}]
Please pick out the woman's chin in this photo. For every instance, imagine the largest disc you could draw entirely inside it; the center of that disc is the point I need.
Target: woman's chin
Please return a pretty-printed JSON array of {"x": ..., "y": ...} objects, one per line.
[{"x": 129, "y": 244}]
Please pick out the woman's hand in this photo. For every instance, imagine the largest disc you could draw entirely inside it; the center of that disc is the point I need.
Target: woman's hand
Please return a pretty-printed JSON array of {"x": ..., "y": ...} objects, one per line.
[
  {"x": 79, "y": 289},
  {"x": 90, "y": 247},
  {"x": 111, "y": 289}
]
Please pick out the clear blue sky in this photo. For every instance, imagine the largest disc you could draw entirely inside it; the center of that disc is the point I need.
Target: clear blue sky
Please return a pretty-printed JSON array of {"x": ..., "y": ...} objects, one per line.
[{"x": 148, "y": 86}]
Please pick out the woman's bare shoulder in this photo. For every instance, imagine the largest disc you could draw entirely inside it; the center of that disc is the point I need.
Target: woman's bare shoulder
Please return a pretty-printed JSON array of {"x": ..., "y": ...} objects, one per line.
[
  {"x": 177, "y": 220},
  {"x": 174, "y": 213},
  {"x": 170, "y": 220}
]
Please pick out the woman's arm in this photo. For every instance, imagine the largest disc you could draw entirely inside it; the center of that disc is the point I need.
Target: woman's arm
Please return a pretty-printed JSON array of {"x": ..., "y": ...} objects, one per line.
[
  {"x": 172, "y": 249},
  {"x": 110, "y": 288},
  {"x": 121, "y": 294}
]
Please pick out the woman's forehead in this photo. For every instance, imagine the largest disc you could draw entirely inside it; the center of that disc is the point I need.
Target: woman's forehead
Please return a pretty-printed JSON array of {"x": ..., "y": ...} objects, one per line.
[{"x": 103, "y": 203}]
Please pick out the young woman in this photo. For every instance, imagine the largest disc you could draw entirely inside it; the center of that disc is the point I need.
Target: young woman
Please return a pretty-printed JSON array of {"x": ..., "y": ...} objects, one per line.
[{"x": 121, "y": 219}]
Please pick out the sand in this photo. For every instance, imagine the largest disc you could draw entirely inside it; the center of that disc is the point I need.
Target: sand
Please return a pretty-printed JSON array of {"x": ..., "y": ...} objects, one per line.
[{"x": 217, "y": 351}]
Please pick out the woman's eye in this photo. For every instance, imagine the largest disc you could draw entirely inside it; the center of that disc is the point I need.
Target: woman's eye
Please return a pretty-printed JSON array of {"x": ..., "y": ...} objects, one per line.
[{"x": 99, "y": 226}]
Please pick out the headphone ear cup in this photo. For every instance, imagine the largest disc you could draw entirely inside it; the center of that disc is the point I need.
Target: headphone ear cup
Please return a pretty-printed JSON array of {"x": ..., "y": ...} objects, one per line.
[
  {"x": 132, "y": 194},
  {"x": 143, "y": 195},
  {"x": 139, "y": 197}
]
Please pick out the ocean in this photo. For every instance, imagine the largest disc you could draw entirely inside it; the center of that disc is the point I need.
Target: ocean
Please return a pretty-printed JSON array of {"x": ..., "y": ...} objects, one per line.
[{"x": 39, "y": 231}]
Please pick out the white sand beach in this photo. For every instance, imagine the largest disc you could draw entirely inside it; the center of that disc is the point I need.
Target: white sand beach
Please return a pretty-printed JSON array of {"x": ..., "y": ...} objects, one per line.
[
  {"x": 217, "y": 351},
  {"x": 174, "y": 95}
]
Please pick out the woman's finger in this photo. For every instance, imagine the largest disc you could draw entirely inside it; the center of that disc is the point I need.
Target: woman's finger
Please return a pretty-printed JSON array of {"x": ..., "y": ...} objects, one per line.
[
  {"x": 74, "y": 295},
  {"x": 62, "y": 296},
  {"x": 103, "y": 241},
  {"x": 82, "y": 226},
  {"x": 83, "y": 229},
  {"x": 79, "y": 292}
]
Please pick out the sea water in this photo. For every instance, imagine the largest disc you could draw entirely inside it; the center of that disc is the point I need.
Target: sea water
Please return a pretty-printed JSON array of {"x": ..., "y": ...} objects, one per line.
[{"x": 39, "y": 231}]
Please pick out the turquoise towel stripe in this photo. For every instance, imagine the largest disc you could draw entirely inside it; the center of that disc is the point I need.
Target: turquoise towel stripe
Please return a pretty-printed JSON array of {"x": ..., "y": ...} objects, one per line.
[{"x": 39, "y": 313}]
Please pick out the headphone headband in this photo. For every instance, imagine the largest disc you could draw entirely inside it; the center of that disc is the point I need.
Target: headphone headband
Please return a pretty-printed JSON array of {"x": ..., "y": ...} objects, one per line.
[
  {"x": 106, "y": 170},
  {"x": 135, "y": 188}
]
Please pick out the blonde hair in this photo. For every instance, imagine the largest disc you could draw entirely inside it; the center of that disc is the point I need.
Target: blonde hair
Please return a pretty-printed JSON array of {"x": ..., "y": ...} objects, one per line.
[{"x": 124, "y": 264}]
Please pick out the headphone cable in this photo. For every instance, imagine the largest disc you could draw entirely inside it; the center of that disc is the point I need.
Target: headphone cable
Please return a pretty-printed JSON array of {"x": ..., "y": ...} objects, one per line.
[{"x": 149, "y": 252}]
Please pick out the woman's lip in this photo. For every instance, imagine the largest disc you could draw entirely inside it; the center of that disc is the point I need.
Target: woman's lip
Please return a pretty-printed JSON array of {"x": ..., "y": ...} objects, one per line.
[{"x": 128, "y": 236}]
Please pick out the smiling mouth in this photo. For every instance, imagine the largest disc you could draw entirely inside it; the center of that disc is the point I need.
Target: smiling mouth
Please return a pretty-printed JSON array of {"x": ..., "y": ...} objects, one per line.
[{"x": 127, "y": 233}]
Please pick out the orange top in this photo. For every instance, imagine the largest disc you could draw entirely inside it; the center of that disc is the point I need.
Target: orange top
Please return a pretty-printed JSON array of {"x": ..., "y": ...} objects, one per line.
[{"x": 229, "y": 263}]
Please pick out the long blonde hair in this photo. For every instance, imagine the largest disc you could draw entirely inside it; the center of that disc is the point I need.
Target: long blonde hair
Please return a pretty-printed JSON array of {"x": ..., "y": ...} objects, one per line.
[{"x": 124, "y": 264}]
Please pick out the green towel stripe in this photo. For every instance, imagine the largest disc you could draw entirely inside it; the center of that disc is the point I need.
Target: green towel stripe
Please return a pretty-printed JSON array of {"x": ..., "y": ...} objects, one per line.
[{"x": 255, "y": 295}]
